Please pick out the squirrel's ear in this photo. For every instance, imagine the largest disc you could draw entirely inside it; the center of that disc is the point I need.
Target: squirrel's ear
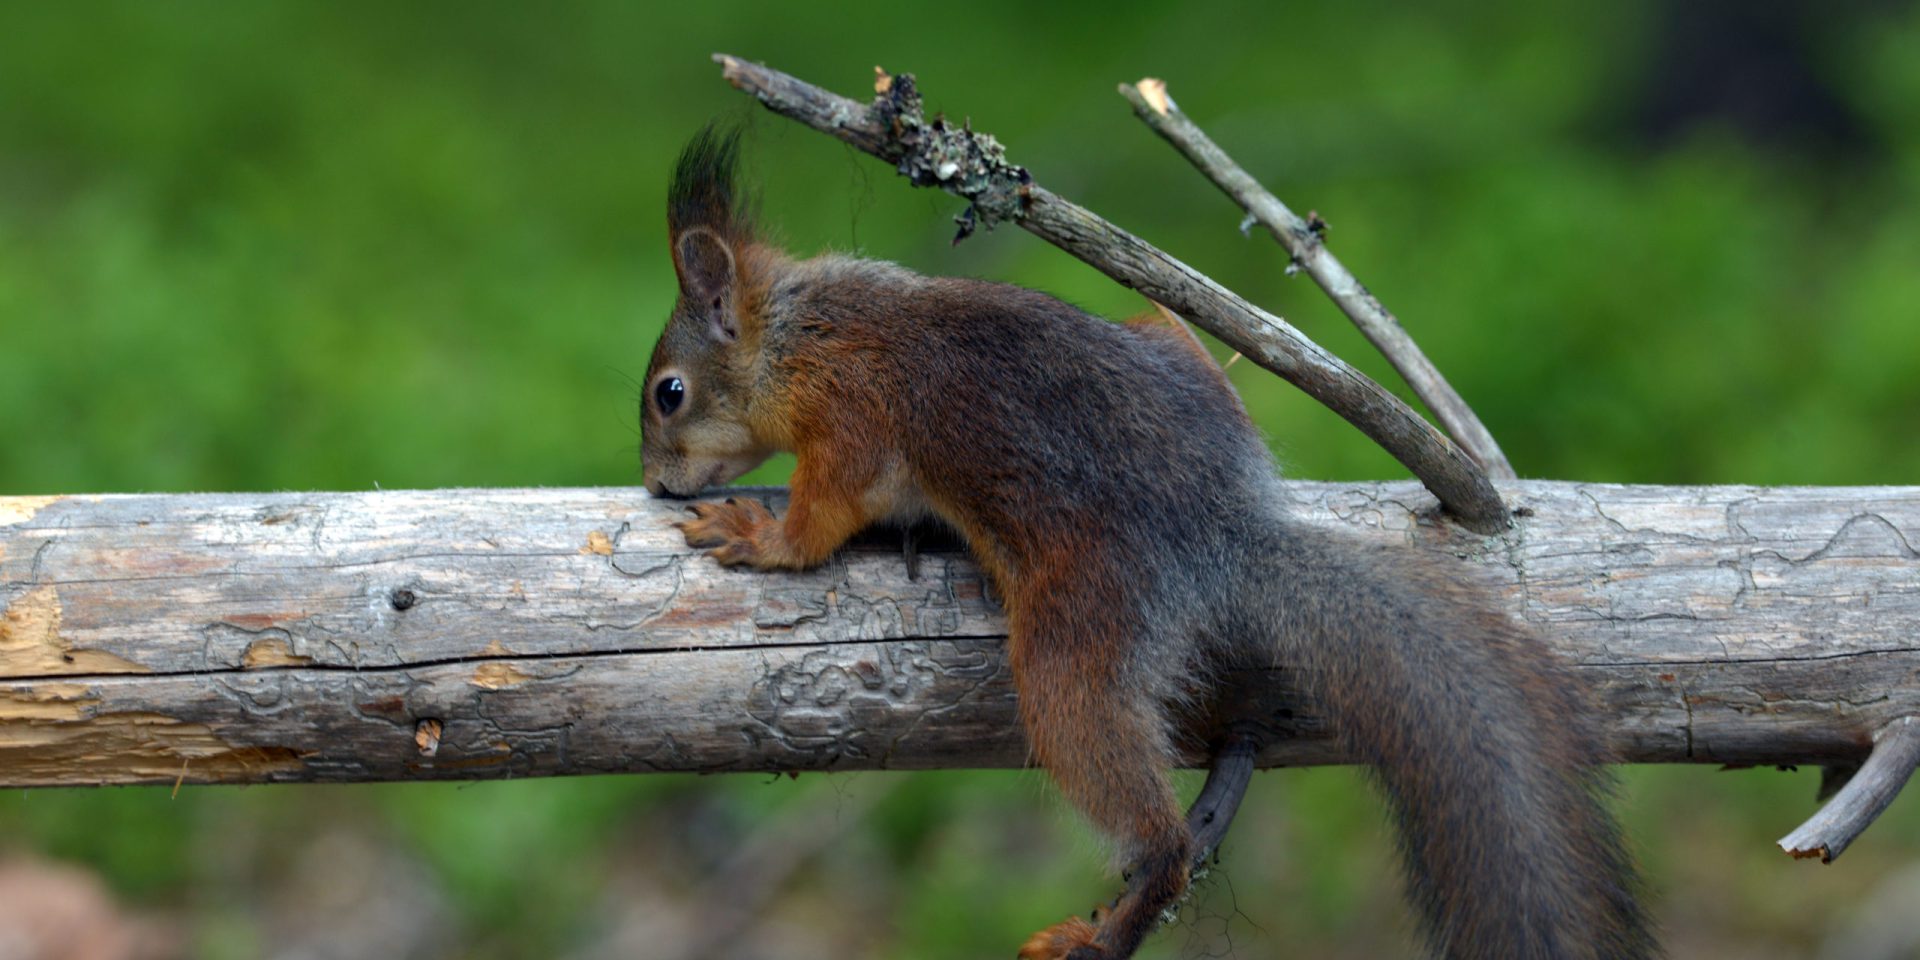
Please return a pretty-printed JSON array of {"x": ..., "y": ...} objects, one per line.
[{"x": 706, "y": 268}]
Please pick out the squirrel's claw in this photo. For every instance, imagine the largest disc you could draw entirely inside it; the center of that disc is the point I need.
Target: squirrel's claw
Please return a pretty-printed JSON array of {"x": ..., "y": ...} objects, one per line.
[{"x": 733, "y": 530}]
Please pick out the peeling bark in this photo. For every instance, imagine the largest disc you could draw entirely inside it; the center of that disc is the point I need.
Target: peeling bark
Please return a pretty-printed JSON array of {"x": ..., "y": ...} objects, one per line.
[{"x": 490, "y": 633}]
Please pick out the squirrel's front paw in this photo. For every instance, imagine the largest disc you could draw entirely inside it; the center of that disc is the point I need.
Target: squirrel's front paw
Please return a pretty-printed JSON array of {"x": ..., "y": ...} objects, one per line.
[
  {"x": 735, "y": 530},
  {"x": 1070, "y": 939}
]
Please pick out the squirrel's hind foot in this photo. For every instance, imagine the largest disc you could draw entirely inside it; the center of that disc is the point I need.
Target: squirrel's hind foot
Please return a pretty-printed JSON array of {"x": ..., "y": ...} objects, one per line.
[{"x": 1070, "y": 939}]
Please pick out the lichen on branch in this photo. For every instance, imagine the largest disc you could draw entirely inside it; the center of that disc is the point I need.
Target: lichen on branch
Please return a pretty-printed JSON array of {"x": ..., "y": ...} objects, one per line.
[{"x": 935, "y": 153}]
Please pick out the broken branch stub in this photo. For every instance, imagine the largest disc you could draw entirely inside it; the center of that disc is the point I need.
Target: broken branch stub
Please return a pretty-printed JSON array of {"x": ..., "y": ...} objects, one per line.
[
  {"x": 1854, "y": 807},
  {"x": 973, "y": 166}
]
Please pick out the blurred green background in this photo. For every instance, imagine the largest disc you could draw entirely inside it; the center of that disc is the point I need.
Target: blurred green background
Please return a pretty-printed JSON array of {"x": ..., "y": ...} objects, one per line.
[{"x": 332, "y": 246}]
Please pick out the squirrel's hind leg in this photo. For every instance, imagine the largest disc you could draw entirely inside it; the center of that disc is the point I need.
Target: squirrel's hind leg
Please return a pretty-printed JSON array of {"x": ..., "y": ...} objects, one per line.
[{"x": 1103, "y": 737}]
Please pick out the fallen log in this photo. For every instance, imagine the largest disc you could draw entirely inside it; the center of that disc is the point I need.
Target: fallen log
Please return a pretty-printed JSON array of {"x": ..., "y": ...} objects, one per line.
[{"x": 461, "y": 634}]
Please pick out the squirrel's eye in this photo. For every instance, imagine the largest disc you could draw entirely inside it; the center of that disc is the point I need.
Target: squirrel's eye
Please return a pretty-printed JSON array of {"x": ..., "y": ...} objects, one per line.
[{"x": 668, "y": 394}]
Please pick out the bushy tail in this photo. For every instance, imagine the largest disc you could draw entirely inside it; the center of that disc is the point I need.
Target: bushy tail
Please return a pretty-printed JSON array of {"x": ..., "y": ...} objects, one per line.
[{"x": 1482, "y": 742}]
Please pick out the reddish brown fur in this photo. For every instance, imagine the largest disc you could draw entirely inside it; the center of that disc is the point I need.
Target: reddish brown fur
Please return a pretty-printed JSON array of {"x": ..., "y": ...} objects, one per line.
[{"x": 1112, "y": 485}]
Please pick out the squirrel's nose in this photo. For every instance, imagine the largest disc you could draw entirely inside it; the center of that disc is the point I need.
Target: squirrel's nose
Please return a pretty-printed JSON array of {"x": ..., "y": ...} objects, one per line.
[{"x": 660, "y": 490}]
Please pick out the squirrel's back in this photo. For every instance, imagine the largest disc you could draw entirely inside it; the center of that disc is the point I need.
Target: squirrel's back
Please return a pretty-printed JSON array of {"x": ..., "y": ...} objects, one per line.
[{"x": 1032, "y": 414}]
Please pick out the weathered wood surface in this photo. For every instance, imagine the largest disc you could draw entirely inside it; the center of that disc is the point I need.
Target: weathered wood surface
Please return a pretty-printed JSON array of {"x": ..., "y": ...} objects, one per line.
[{"x": 493, "y": 633}]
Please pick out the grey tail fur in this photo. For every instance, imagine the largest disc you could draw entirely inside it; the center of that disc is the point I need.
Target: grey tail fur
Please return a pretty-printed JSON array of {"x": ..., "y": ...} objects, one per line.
[{"x": 1480, "y": 740}]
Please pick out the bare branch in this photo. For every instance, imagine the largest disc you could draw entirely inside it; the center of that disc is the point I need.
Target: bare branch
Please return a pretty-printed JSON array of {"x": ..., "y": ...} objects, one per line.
[
  {"x": 973, "y": 166},
  {"x": 467, "y": 634},
  {"x": 313, "y": 636},
  {"x": 1227, "y": 780},
  {"x": 1308, "y": 249},
  {"x": 1854, "y": 807}
]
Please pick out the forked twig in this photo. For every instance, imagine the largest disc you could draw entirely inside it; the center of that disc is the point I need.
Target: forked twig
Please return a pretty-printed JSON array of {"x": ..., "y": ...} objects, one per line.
[
  {"x": 1828, "y": 833},
  {"x": 1305, "y": 244},
  {"x": 973, "y": 166}
]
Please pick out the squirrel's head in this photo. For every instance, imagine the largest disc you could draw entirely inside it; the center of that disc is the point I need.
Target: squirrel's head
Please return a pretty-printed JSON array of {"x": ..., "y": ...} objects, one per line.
[{"x": 695, "y": 424}]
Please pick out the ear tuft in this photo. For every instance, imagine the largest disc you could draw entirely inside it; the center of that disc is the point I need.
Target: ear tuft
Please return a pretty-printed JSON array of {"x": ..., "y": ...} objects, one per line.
[
  {"x": 706, "y": 223},
  {"x": 702, "y": 194}
]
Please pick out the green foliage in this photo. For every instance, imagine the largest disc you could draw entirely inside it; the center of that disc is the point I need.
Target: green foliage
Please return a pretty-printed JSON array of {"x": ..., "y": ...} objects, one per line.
[{"x": 333, "y": 246}]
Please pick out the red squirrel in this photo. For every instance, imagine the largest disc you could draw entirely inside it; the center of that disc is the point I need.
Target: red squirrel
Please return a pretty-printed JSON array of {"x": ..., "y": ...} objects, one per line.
[{"x": 1110, "y": 482}]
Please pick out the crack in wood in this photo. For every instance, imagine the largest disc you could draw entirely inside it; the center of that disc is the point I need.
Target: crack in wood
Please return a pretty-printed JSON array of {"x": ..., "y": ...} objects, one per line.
[{"x": 483, "y": 658}]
